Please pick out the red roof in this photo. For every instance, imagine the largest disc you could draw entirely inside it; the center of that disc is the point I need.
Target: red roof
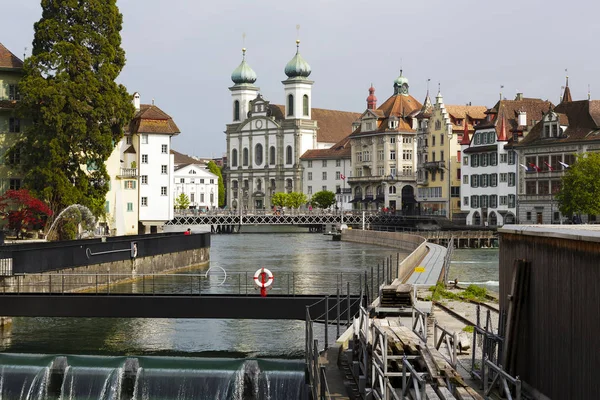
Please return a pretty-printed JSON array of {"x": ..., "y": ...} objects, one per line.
[
  {"x": 8, "y": 59},
  {"x": 151, "y": 119}
]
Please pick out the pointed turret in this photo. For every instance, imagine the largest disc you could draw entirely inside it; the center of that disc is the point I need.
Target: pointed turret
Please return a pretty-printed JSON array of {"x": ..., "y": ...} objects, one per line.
[
  {"x": 371, "y": 100},
  {"x": 502, "y": 132},
  {"x": 465, "y": 139},
  {"x": 566, "y": 98}
]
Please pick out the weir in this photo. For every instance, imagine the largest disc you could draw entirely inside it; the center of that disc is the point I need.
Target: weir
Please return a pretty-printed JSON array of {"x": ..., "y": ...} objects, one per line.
[{"x": 110, "y": 378}]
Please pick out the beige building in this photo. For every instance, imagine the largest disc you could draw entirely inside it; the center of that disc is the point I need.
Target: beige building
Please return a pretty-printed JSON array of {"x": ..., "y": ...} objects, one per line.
[
  {"x": 384, "y": 148},
  {"x": 440, "y": 131},
  {"x": 11, "y": 72}
]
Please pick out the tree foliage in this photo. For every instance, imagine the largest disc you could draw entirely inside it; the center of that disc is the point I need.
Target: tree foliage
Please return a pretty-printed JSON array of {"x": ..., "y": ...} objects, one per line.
[
  {"x": 580, "y": 189},
  {"x": 76, "y": 109},
  {"x": 182, "y": 202},
  {"x": 295, "y": 199},
  {"x": 215, "y": 169},
  {"x": 279, "y": 199},
  {"x": 323, "y": 199},
  {"x": 22, "y": 212}
]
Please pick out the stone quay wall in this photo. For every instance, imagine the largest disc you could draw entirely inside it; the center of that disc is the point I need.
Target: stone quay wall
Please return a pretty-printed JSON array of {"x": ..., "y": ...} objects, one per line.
[{"x": 398, "y": 240}]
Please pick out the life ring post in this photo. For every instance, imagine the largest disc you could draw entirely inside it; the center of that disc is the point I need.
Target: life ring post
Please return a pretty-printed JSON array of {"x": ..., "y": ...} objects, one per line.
[{"x": 263, "y": 278}]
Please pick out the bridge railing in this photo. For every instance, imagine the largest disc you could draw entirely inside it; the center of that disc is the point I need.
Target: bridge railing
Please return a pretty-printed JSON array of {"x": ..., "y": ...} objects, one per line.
[{"x": 214, "y": 282}]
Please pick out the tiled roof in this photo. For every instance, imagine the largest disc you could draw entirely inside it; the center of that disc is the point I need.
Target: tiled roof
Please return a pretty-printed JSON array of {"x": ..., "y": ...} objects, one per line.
[
  {"x": 333, "y": 125},
  {"x": 534, "y": 109},
  {"x": 400, "y": 106},
  {"x": 8, "y": 59},
  {"x": 475, "y": 112},
  {"x": 151, "y": 119},
  {"x": 583, "y": 120},
  {"x": 180, "y": 158},
  {"x": 341, "y": 149}
]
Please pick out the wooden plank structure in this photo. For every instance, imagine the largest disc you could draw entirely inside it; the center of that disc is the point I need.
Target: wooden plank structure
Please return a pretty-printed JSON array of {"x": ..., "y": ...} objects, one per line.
[
  {"x": 443, "y": 381},
  {"x": 552, "y": 330}
]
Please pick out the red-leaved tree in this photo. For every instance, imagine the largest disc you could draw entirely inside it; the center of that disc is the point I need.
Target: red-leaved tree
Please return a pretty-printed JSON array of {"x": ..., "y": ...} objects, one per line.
[{"x": 22, "y": 211}]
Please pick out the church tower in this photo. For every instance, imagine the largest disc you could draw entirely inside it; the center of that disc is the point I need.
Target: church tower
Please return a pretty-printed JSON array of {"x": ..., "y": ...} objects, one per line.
[
  {"x": 298, "y": 87},
  {"x": 243, "y": 91}
]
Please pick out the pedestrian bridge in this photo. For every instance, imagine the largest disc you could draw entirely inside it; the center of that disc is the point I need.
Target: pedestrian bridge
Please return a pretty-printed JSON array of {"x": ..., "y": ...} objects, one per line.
[{"x": 262, "y": 217}]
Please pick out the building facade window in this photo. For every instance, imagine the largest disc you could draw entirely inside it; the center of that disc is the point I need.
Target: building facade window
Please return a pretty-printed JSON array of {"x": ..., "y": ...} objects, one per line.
[
  {"x": 130, "y": 185},
  {"x": 288, "y": 154},
  {"x": 163, "y": 169},
  {"x": 309, "y": 164},
  {"x": 290, "y": 105},
  {"x": 305, "y": 105},
  {"x": 324, "y": 163},
  {"x": 144, "y": 201},
  {"x": 310, "y": 176},
  {"x": 236, "y": 110},
  {"x": 164, "y": 149},
  {"x": 144, "y": 139},
  {"x": 392, "y": 154},
  {"x": 272, "y": 155},
  {"x": 258, "y": 154},
  {"x": 338, "y": 163},
  {"x": 234, "y": 158},
  {"x": 163, "y": 190},
  {"x": 144, "y": 179},
  {"x": 245, "y": 157},
  {"x": 338, "y": 175},
  {"x": 324, "y": 175},
  {"x": 14, "y": 184},
  {"x": 129, "y": 207},
  {"x": 144, "y": 158},
  {"x": 14, "y": 125},
  {"x": 309, "y": 190}
]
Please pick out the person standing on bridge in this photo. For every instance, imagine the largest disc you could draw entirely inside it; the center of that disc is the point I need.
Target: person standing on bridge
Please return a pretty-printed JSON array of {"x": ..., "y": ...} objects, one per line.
[{"x": 188, "y": 232}]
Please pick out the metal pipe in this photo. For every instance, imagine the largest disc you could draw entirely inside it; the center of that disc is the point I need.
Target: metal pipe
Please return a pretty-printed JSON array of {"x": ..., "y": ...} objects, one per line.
[
  {"x": 326, "y": 322},
  {"x": 337, "y": 306},
  {"x": 348, "y": 306}
]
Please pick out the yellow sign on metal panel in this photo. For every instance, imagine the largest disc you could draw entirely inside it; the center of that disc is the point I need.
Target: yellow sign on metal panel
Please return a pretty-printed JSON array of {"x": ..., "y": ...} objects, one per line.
[{"x": 420, "y": 269}]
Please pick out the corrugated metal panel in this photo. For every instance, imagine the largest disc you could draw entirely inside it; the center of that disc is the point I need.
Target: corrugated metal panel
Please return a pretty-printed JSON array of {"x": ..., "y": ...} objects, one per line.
[{"x": 559, "y": 335}]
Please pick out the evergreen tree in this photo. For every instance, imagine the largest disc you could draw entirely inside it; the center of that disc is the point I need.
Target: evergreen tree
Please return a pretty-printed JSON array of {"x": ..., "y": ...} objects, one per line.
[
  {"x": 215, "y": 169},
  {"x": 182, "y": 202},
  {"x": 76, "y": 109}
]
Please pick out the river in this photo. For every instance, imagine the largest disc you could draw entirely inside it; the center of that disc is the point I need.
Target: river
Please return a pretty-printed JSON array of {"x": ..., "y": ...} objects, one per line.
[{"x": 197, "y": 340}]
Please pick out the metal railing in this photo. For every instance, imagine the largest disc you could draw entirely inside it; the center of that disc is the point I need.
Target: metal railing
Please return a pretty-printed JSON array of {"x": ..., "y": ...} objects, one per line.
[
  {"x": 498, "y": 377},
  {"x": 413, "y": 380},
  {"x": 214, "y": 281},
  {"x": 316, "y": 372},
  {"x": 447, "y": 261},
  {"x": 451, "y": 342},
  {"x": 419, "y": 323},
  {"x": 6, "y": 266}
]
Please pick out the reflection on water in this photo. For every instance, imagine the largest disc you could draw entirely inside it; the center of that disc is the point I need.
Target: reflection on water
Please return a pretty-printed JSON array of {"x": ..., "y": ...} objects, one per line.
[
  {"x": 303, "y": 254},
  {"x": 476, "y": 266}
]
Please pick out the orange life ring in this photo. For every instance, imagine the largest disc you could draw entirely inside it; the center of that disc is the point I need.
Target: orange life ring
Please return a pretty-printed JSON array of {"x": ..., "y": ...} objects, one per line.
[{"x": 259, "y": 282}]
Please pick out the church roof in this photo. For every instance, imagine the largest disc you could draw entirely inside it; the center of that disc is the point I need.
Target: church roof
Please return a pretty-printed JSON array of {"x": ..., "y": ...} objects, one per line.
[
  {"x": 8, "y": 60},
  {"x": 333, "y": 125},
  {"x": 151, "y": 119},
  {"x": 341, "y": 149}
]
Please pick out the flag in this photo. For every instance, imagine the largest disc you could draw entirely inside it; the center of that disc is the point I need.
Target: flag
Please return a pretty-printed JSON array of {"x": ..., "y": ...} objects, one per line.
[
  {"x": 524, "y": 166},
  {"x": 538, "y": 169},
  {"x": 563, "y": 164},
  {"x": 343, "y": 176},
  {"x": 549, "y": 166}
]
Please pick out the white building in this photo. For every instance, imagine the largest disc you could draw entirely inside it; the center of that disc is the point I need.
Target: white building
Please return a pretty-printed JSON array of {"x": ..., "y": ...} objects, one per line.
[
  {"x": 141, "y": 170},
  {"x": 265, "y": 141},
  {"x": 328, "y": 169},
  {"x": 489, "y": 163},
  {"x": 199, "y": 185}
]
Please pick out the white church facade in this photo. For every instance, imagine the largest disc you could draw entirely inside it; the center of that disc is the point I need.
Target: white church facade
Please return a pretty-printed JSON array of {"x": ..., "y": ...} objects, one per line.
[{"x": 265, "y": 141}]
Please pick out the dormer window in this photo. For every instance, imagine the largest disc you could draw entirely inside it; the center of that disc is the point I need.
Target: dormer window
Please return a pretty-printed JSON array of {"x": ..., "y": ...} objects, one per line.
[
  {"x": 438, "y": 125},
  {"x": 459, "y": 122},
  {"x": 392, "y": 124}
]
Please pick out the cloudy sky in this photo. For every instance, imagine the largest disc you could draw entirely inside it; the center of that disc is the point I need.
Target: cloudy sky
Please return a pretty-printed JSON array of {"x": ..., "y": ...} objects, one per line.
[{"x": 182, "y": 52}]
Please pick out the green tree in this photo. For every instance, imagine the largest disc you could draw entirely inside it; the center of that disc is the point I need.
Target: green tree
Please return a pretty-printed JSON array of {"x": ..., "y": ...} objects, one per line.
[
  {"x": 76, "y": 109},
  {"x": 580, "y": 189},
  {"x": 295, "y": 199},
  {"x": 323, "y": 199},
  {"x": 279, "y": 199},
  {"x": 182, "y": 202},
  {"x": 215, "y": 169}
]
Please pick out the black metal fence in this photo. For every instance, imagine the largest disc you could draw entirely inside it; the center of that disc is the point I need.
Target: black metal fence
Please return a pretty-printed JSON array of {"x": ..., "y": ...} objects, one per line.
[{"x": 51, "y": 256}]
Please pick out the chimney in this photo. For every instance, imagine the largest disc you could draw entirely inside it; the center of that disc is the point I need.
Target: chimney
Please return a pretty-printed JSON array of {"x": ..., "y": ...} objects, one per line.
[
  {"x": 522, "y": 119},
  {"x": 519, "y": 96},
  {"x": 136, "y": 101},
  {"x": 371, "y": 100}
]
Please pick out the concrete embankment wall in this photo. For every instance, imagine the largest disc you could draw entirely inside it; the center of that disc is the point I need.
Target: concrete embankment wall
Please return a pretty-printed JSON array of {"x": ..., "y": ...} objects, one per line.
[
  {"x": 97, "y": 275},
  {"x": 398, "y": 240}
]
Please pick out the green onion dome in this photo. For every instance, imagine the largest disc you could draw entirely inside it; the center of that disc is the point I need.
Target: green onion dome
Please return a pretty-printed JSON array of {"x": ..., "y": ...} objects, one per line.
[
  {"x": 243, "y": 74},
  {"x": 297, "y": 67}
]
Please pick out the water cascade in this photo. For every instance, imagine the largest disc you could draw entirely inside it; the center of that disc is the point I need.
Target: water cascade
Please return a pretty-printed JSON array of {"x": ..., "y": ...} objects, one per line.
[{"x": 41, "y": 377}]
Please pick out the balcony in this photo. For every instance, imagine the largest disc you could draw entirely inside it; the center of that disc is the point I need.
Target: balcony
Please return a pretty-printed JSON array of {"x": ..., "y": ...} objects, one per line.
[
  {"x": 382, "y": 178},
  {"x": 422, "y": 181},
  {"x": 546, "y": 198},
  {"x": 128, "y": 173},
  {"x": 434, "y": 165}
]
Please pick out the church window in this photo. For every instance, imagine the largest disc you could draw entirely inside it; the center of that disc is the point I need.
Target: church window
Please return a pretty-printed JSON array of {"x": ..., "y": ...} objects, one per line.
[
  {"x": 258, "y": 154},
  {"x": 305, "y": 105},
  {"x": 245, "y": 157},
  {"x": 290, "y": 110},
  {"x": 234, "y": 158},
  {"x": 288, "y": 155},
  {"x": 272, "y": 155},
  {"x": 236, "y": 110}
]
